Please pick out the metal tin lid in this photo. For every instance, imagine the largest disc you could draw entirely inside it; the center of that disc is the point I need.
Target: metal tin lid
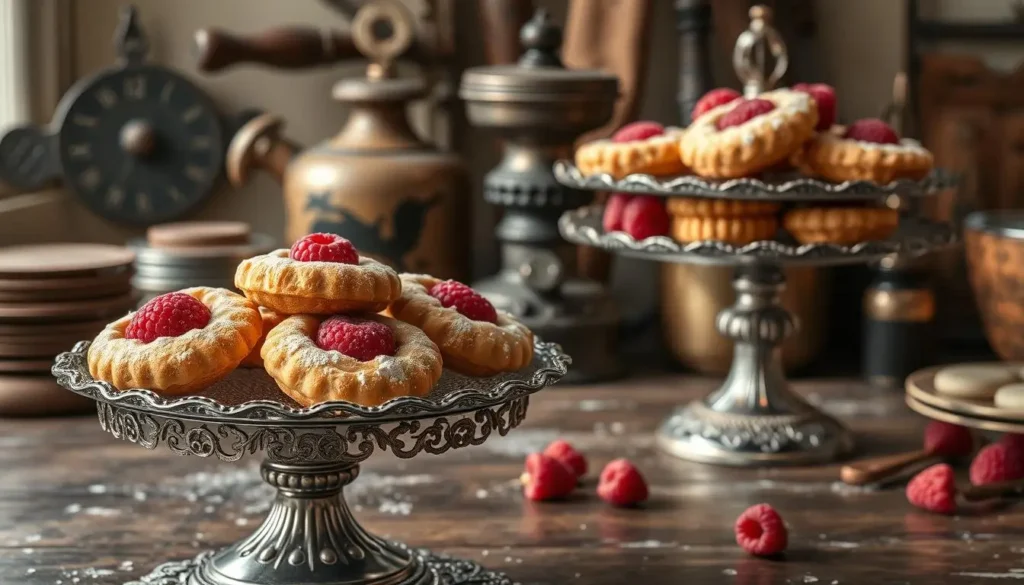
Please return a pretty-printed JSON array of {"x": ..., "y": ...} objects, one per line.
[{"x": 539, "y": 75}]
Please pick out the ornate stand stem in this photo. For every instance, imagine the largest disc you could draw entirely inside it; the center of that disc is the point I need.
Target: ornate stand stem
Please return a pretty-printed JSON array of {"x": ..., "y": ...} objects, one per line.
[
  {"x": 753, "y": 418},
  {"x": 311, "y": 537}
]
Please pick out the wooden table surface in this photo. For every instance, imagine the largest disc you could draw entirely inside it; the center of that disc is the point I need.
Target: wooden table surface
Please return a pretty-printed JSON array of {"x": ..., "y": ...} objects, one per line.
[{"x": 78, "y": 507}]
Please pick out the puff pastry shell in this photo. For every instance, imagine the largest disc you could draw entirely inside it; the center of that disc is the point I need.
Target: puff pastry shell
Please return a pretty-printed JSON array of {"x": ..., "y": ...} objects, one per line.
[
  {"x": 657, "y": 155},
  {"x": 310, "y": 375},
  {"x": 474, "y": 348},
  {"x": 183, "y": 364},
  {"x": 287, "y": 286},
  {"x": 755, "y": 145},
  {"x": 841, "y": 225},
  {"x": 839, "y": 159},
  {"x": 270, "y": 319}
]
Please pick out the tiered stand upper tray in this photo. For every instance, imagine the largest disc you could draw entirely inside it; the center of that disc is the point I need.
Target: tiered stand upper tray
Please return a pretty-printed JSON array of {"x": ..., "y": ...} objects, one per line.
[{"x": 753, "y": 418}]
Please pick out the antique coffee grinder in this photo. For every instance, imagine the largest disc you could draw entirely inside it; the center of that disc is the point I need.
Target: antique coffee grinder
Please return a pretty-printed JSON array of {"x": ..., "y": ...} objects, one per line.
[
  {"x": 397, "y": 198},
  {"x": 538, "y": 107}
]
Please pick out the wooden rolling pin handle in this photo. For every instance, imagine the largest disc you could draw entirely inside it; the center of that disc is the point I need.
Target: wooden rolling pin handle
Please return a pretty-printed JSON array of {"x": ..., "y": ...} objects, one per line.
[
  {"x": 875, "y": 470},
  {"x": 283, "y": 48},
  {"x": 1005, "y": 489}
]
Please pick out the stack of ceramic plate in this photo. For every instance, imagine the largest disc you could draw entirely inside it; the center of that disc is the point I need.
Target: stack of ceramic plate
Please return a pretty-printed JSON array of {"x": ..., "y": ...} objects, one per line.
[
  {"x": 183, "y": 255},
  {"x": 52, "y": 296}
]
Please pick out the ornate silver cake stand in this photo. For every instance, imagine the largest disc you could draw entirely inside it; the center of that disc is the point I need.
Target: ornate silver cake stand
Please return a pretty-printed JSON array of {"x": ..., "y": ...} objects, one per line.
[
  {"x": 310, "y": 454},
  {"x": 753, "y": 419}
]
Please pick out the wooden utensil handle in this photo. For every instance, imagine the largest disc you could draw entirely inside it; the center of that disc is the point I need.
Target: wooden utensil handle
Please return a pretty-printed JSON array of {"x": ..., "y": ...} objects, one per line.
[
  {"x": 874, "y": 470},
  {"x": 283, "y": 48},
  {"x": 1005, "y": 489}
]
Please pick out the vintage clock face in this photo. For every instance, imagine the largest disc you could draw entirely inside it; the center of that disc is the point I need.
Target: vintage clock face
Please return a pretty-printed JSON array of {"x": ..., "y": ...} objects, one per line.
[
  {"x": 139, "y": 144},
  {"x": 136, "y": 143}
]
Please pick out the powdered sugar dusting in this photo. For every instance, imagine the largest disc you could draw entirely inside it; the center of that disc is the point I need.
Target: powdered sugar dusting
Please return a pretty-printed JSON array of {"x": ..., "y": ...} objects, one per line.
[{"x": 390, "y": 368}]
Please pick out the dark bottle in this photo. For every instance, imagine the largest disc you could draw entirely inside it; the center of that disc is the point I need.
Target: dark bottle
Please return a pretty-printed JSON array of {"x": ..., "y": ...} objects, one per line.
[{"x": 899, "y": 312}]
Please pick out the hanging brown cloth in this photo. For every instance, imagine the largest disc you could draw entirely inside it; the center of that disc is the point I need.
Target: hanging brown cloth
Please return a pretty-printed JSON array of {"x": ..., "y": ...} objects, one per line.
[{"x": 611, "y": 36}]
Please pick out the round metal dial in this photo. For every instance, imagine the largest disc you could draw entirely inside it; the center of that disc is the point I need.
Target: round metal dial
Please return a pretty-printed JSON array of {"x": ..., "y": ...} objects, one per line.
[{"x": 139, "y": 144}]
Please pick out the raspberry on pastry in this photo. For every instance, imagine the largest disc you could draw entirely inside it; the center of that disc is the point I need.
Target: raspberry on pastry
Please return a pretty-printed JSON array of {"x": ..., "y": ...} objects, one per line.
[
  {"x": 841, "y": 225},
  {"x": 176, "y": 343},
  {"x": 470, "y": 344},
  {"x": 637, "y": 148},
  {"x": 825, "y": 98},
  {"x": 744, "y": 137},
  {"x": 366, "y": 360},
  {"x": 318, "y": 277},
  {"x": 645, "y": 216},
  {"x": 713, "y": 99},
  {"x": 270, "y": 320},
  {"x": 868, "y": 150}
]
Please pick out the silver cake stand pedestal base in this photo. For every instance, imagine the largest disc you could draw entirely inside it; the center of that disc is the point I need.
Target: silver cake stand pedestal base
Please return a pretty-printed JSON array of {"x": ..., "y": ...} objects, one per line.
[
  {"x": 754, "y": 418},
  {"x": 310, "y": 536}
]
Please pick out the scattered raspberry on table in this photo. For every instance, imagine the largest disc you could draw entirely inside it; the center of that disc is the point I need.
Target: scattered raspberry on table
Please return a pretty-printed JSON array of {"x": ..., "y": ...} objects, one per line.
[
  {"x": 948, "y": 440},
  {"x": 934, "y": 489},
  {"x": 760, "y": 531},
  {"x": 546, "y": 478},
  {"x": 997, "y": 462},
  {"x": 568, "y": 455},
  {"x": 621, "y": 484}
]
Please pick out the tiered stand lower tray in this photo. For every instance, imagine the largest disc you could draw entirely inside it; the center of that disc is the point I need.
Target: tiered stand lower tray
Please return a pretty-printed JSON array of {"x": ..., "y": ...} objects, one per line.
[
  {"x": 310, "y": 536},
  {"x": 753, "y": 419},
  {"x": 922, "y": 398}
]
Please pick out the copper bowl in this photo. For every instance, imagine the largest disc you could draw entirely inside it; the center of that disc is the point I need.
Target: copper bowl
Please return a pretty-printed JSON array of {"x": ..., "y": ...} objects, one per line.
[{"x": 995, "y": 264}]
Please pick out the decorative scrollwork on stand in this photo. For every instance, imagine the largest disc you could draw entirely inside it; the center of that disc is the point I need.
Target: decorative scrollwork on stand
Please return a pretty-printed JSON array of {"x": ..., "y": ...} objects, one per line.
[{"x": 352, "y": 442}]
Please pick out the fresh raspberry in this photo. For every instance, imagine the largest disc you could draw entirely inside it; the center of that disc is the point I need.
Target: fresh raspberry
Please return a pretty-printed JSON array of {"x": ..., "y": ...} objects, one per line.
[
  {"x": 613, "y": 209},
  {"x": 872, "y": 130},
  {"x": 744, "y": 111},
  {"x": 713, "y": 99},
  {"x": 760, "y": 531},
  {"x": 546, "y": 478},
  {"x": 948, "y": 440},
  {"x": 638, "y": 131},
  {"x": 621, "y": 484},
  {"x": 168, "y": 315},
  {"x": 825, "y": 98},
  {"x": 361, "y": 339},
  {"x": 934, "y": 489},
  {"x": 569, "y": 456},
  {"x": 324, "y": 248},
  {"x": 995, "y": 463},
  {"x": 465, "y": 300},
  {"x": 645, "y": 216}
]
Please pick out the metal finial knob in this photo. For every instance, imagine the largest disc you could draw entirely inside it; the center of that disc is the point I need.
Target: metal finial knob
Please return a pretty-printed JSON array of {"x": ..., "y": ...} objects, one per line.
[
  {"x": 750, "y": 59},
  {"x": 382, "y": 30},
  {"x": 542, "y": 39},
  {"x": 130, "y": 40}
]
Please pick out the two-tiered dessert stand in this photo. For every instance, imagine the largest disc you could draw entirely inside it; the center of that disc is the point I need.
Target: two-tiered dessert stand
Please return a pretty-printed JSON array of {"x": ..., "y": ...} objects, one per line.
[
  {"x": 310, "y": 454},
  {"x": 753, "y": 418}
]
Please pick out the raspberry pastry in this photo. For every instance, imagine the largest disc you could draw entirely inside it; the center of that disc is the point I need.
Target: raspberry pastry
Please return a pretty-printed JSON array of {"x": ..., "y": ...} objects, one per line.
[
  {"x": 841, "y": 225},
  {"x": 637, "y": 148},
  {"x": 366, "y": 360},
  {"x": 270, "y": 319},
  {"x": 744, "y": 137},
  {"x": 322, "y": 274},
  {"x": 177, "y": 343},
  {"x": 474, "y": 338},
  {"x": 867, "y": 150}
]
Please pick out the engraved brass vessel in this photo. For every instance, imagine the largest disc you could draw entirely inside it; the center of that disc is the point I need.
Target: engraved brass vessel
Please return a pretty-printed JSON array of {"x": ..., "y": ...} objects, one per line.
[{"x": 397, "y": 198}]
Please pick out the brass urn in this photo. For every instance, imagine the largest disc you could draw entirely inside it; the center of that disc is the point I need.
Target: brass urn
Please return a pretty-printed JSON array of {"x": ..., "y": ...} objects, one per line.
[{"x": 397, "y": 198}]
